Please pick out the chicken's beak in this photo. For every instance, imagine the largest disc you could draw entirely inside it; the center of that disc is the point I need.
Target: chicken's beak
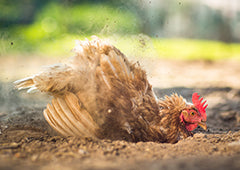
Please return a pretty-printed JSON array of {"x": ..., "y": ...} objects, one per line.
[{"x": 203, "y": 125}]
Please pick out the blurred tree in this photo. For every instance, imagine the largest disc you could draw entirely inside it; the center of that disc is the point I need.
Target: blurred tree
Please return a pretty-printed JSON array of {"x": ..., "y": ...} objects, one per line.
[{"x": 19, "y": 12}]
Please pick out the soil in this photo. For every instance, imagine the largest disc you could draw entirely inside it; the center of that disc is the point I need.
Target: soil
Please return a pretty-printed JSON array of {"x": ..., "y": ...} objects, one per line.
[{"x": 27, "y": 141}]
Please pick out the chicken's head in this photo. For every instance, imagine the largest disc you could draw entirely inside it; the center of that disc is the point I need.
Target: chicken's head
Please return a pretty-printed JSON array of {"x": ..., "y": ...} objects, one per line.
[{"x": 195, "y": 114}]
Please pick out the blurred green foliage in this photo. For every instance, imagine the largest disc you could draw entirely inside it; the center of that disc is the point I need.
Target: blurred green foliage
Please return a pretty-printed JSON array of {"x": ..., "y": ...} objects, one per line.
[
  {"x": 196, "y": 49},
  {"x": 56, "y": 19},
  {"x": 49, "y": 28},
  {"x": 57, "y": 22},
  {"x": 182, "y": 49}
]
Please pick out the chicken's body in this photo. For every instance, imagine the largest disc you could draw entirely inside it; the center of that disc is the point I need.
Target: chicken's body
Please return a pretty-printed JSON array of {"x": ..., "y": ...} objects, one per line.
[{"x": 100, "y": 94}]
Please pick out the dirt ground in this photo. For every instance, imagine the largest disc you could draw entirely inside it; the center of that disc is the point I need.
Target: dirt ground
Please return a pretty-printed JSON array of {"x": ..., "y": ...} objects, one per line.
[{"x": 27, "y": 141}]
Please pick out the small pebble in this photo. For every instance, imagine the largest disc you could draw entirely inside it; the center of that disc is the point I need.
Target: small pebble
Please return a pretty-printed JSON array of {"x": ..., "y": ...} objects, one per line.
[
  {"x": 200, "y": 135},
  {"x": 17, "y": 155},
  {"x": 81, "y": 151},
  {"x": 13, "y": 145},
  {"x": 34, "y": 157}
]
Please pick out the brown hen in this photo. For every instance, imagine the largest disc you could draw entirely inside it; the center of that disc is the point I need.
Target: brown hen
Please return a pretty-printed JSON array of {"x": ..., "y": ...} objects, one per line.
[{"x": 100, "y": 94}]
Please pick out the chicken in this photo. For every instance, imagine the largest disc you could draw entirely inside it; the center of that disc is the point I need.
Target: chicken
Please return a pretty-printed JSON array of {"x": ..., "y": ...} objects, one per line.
[{"x": 100, "y": 94}]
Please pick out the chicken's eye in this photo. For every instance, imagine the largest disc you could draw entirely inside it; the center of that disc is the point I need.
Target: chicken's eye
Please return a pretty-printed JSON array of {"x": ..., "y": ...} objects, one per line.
[{"x": 192, "y": 113}]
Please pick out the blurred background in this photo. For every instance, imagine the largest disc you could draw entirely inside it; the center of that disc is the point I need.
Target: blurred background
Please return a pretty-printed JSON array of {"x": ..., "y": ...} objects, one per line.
[{"x": 32, "y": 32}]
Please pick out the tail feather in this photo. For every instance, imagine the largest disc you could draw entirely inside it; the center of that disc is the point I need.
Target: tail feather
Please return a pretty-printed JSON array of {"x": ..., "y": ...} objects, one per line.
[
  {"x": 24, "y": 83},
  {"x": 32, "y": 89}
]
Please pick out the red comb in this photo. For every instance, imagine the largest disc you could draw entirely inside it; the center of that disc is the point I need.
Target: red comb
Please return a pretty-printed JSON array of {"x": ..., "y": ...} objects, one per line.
[{"x": 200, "y": 105}]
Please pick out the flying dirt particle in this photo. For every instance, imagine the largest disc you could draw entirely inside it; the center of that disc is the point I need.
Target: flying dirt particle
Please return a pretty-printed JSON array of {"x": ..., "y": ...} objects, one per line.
[
  {"x": 11, "y": 43},
  {"x": 180, "y": 3}
]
